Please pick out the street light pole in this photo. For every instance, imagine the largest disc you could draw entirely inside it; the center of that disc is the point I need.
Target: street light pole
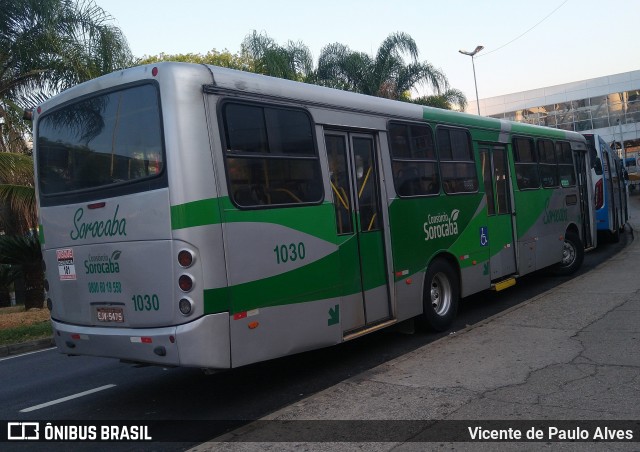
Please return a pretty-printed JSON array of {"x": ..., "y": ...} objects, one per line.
[{"x": 472, "y": 54}]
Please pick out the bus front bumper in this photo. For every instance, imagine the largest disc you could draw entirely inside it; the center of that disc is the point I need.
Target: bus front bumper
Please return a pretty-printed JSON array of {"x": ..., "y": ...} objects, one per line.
[{"x": 202, "y": 343}]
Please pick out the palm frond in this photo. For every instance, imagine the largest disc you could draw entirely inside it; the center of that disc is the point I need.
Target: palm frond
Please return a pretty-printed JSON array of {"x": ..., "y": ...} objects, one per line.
[
  {"x": 292, "y": 62},
  {"x": 446, "y": 100},
  {"x": 20, "y": 250},
  {"x": 21, "y": 200},
  {"x": 16, "y": 168}
]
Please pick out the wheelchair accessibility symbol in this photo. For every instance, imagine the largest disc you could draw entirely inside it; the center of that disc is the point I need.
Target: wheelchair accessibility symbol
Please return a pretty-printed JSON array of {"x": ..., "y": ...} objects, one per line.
[{"x": 484, "y": 236}]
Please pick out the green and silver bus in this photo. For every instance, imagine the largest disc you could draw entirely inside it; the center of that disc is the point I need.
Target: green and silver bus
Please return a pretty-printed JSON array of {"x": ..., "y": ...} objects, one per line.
[{"x": 192, "y": 215}]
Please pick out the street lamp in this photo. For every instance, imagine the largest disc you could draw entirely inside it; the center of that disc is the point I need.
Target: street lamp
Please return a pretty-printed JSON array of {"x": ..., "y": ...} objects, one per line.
[{"x": 472, "y": 54}]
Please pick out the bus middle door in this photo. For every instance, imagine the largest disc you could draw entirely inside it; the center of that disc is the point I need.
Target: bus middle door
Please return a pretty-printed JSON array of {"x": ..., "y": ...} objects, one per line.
[
  {"x": 495, "y": 173},
  {"x": 356, "y": 191}
]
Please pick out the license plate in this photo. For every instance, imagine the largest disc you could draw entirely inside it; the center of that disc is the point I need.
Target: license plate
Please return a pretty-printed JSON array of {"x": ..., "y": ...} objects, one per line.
[{"x": 110, "y": 315}]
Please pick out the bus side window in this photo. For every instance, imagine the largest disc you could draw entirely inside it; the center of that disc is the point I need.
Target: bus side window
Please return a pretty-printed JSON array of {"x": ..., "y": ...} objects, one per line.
[
  {"x": 456, "y": 161},
  {"x": 526, "y": 163},
  {"x": 566, "y": 170},
  {"x": 547, "y": 163},
  {"x": 271, "y": 158},
  {"x": 413, "y": 155}
]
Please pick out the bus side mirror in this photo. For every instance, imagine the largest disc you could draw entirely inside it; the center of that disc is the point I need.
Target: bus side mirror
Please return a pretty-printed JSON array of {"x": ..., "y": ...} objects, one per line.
[{"x": 597, "y": 166}]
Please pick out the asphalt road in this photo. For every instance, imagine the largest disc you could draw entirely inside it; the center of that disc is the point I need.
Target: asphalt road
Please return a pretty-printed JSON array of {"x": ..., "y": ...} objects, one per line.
[{"x": 48, "y": 386}]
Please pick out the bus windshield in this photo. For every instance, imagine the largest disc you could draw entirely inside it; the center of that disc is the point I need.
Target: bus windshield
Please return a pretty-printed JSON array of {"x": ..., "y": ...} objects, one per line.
[{"x": 102, "y": 141}]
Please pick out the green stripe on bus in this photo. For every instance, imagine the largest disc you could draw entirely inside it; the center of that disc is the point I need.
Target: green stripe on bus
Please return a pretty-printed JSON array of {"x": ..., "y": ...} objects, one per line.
[
  {"x": 216, "y": 300},
  {"x": 196, "y": 213},
  {"x": 316, "y": 220},
  {"x": 41, "y": 234}
]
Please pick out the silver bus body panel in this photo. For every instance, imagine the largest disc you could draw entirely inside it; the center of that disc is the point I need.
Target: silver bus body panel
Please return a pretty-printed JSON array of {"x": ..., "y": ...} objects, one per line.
[
  {"x": 201, "y": 343},
  {"x": 126, "y": 218},
  {"x": 283, "y": 330}
]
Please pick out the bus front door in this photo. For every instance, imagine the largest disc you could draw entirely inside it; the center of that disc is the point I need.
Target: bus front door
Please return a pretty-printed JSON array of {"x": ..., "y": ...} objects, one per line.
[
  {"x": 495, "y": 172},
  {"x": 355, "y": 184}
]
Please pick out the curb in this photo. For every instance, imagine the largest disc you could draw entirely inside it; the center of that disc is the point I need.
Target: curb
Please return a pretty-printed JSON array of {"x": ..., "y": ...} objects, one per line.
[{"x": 24, "y": 347}]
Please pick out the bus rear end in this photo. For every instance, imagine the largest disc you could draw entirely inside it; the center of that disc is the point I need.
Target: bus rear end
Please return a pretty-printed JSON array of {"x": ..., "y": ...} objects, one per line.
[{"x": 119, "y": 282}]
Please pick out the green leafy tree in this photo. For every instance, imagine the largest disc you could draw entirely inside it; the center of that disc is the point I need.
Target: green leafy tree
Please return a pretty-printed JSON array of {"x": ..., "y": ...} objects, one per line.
[
  {"x": 384, "y": 75},
  {"x": 18, "y": 214},
  {"x": 23, "y": 254},
  {"x": 292, "y": 61},
  {"x": 449, "y": 100},
  {"x": 47, "y": 46},
  {"x": 7, "y": 277},
  {"x": 213, "y": 57}
]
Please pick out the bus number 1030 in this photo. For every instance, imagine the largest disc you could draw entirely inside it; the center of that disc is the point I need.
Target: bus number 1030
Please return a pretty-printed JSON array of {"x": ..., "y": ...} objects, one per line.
[
  {"x": 291, "y": 252},
  {"x": 146, "y": 302}
]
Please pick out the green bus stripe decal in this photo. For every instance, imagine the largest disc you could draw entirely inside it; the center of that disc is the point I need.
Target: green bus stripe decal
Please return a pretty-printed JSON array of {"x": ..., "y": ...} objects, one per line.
[
  {"x": 196, "y": 213},
  {"x": 216, "y": 300}
]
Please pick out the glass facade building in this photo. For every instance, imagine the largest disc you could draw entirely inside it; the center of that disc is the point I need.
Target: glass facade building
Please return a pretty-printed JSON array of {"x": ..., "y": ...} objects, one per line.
[{"x": 609, "y": 106}]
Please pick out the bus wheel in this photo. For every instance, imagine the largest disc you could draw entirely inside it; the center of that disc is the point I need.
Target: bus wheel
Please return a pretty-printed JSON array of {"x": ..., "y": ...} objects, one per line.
[
  {"x": 441, "y": 296},
  {"x": 572, "y": 255}
]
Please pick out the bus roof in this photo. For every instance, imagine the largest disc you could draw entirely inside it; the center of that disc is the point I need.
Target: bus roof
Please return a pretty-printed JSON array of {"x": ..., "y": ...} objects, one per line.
[{"x": 218, "y": 79}]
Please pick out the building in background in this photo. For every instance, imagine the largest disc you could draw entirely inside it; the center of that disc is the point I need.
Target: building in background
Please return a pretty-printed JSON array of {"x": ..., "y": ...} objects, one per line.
[{"x": 609, "y": 106}]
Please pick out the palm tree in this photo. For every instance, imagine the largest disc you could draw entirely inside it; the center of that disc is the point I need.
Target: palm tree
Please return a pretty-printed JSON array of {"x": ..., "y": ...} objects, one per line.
[
  {"x": 7, "y": 277},
  {"x": 292, "y": 62},
  {"x": 384, "y": 75},
  {"x": 18, "y": 211},
  {"x": 47, "y": 46},
  {"x": 24, "y": 255},
  {"x": 447, "y": 100},
  {"x": 214, "y": 57}
]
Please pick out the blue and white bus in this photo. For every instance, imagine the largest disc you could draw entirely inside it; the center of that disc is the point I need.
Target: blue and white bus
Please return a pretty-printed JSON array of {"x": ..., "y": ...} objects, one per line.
[{"x": 610, "y": 190}]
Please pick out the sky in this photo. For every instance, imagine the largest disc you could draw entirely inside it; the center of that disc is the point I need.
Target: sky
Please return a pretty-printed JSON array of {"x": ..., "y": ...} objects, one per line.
[{"x": 527, "y": 44}]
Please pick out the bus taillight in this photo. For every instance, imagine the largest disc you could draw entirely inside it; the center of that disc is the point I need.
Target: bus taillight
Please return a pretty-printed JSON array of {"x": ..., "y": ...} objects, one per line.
[
  {"x": 185, "y": 259},
  {"x": 599, "y": 194},
  {"x": 185, "y": 283}
]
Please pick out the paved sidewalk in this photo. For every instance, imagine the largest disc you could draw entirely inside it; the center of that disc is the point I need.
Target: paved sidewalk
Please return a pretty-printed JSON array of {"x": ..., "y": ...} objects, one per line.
[{"x": 571, "y": 353}]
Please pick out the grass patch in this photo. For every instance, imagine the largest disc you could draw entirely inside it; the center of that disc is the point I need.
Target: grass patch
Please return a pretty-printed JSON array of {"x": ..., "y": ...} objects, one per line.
[
  {"x": 18, "y": 325},
  {"x": 25, "y": 333}
]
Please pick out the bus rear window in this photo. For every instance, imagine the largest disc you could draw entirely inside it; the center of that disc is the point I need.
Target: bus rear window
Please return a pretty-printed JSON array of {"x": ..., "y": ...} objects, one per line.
[{"x": 104, "y": 141}]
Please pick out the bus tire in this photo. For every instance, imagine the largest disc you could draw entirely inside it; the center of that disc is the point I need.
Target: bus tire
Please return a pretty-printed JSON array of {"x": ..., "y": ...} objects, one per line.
[
  {"x": 441, "y": 296},
  {"x": 572, "y": 255}
]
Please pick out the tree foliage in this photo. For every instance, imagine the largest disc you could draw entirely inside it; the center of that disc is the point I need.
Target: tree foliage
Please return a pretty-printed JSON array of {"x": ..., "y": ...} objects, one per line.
[
  {"x": 47, "y": 46},
  {"x": 448, "y": 100},
  {"x": 386, "y": 74},
  {"x": 292, "y": 61},
  {"x": 24, "y": 255},
  {"x": 213, "y": 57}
]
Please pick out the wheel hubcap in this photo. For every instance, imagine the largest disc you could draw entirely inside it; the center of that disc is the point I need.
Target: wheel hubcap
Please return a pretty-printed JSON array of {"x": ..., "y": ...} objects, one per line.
[
  {"x": 440, "y": 293},
  {"x": 568, "y": 254}
]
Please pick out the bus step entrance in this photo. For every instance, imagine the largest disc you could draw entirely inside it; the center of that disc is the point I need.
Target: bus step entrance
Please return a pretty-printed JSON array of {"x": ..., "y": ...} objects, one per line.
[{"x": 505, "y": 283}]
